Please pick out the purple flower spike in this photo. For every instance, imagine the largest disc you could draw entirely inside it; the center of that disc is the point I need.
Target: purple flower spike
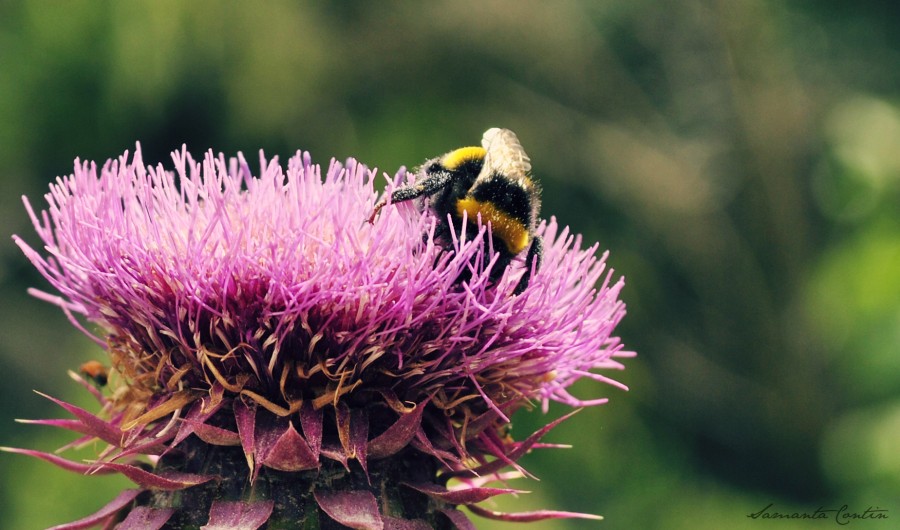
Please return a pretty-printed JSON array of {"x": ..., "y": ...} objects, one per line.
[{"x": 278, "y": 360}]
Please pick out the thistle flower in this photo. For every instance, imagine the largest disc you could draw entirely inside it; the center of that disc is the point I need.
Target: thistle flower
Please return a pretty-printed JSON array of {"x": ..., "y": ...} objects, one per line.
[{"x": 278, "y": 362}]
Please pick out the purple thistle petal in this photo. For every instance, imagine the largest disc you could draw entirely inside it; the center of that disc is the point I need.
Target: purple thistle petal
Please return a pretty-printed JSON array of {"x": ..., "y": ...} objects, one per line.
[
  {"x": 335, "y": 452},
  {"x": 146, "y": 518},
  {"x": 530, "y": 517},
  {"x": 152, "y": 447},
  {"x": 92, "y": 424},
  {"x": 153, "y": 441},
  {"x": 245, "y": 415},
  {"x": 484, "y": 421},
  {"x": 520, "y": 449},
  {"x": 459, "y": 519},
  {"x": 356, "y": 509},
  {"x": 423, "y": 444},
  {"x": 311, "y": 423},
  {"x": 504, "y": 477},
  {"x": 398, "y": 435},
  {"x": 166, "y": 481},
  {"x": 228, "y": 515},
  {"x": 281, "y": 447},
  {"x": 353, "y": 432},
  {"x": 71, "y": 425},
  {"x": 459, "y": 496},
  {"x": 342, "y": 420},
  {"x": 68, "y": 465},
  {"x": 359, "y": 436},
  {"x": 214, "y": 435},
  {"x": 104, "y": 514},
  {"x": 496, "y": 447},
  {"x": 196, "y": 419}
]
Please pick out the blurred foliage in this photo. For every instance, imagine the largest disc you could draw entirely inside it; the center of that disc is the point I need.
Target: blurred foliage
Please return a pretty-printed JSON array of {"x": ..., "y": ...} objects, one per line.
[{"x": 739, "y": 159}]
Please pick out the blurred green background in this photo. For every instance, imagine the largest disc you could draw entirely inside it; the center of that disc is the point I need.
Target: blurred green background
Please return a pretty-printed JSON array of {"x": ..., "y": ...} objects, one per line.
[{"x": 740, "y": 160}]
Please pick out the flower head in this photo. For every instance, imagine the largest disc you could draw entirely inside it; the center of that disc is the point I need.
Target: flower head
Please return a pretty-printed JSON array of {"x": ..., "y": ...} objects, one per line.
[{"x": 261, "y": 319}]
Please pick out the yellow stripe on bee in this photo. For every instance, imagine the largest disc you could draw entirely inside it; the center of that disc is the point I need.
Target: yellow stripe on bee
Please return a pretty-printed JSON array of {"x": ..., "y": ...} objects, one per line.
[
  {"x": 510, "y": 230},
  {"x": 454, "y": 159}
]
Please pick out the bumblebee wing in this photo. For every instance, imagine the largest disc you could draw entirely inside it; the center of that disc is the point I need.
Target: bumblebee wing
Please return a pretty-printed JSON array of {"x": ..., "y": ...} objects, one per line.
[{"x": 504, "y": 154}]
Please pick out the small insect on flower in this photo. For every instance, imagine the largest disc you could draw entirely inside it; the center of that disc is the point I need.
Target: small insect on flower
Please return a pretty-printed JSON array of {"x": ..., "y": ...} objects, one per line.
[
  {"x": 95, "y": 371},
  {"x": 492, "y": 181}
]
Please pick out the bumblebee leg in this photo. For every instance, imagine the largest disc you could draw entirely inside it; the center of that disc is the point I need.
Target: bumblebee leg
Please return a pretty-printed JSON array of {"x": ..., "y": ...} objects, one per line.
[
  {"x": 378, "y": 207},
  {"x": 429, "y": 185},
  {"x": 532, "y": 261}
]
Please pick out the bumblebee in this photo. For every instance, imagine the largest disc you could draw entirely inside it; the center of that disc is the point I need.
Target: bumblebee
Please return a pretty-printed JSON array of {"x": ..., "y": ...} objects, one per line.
[
  {"x": 95, "y": 371},
  {"x": 492, "y": 181}
]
